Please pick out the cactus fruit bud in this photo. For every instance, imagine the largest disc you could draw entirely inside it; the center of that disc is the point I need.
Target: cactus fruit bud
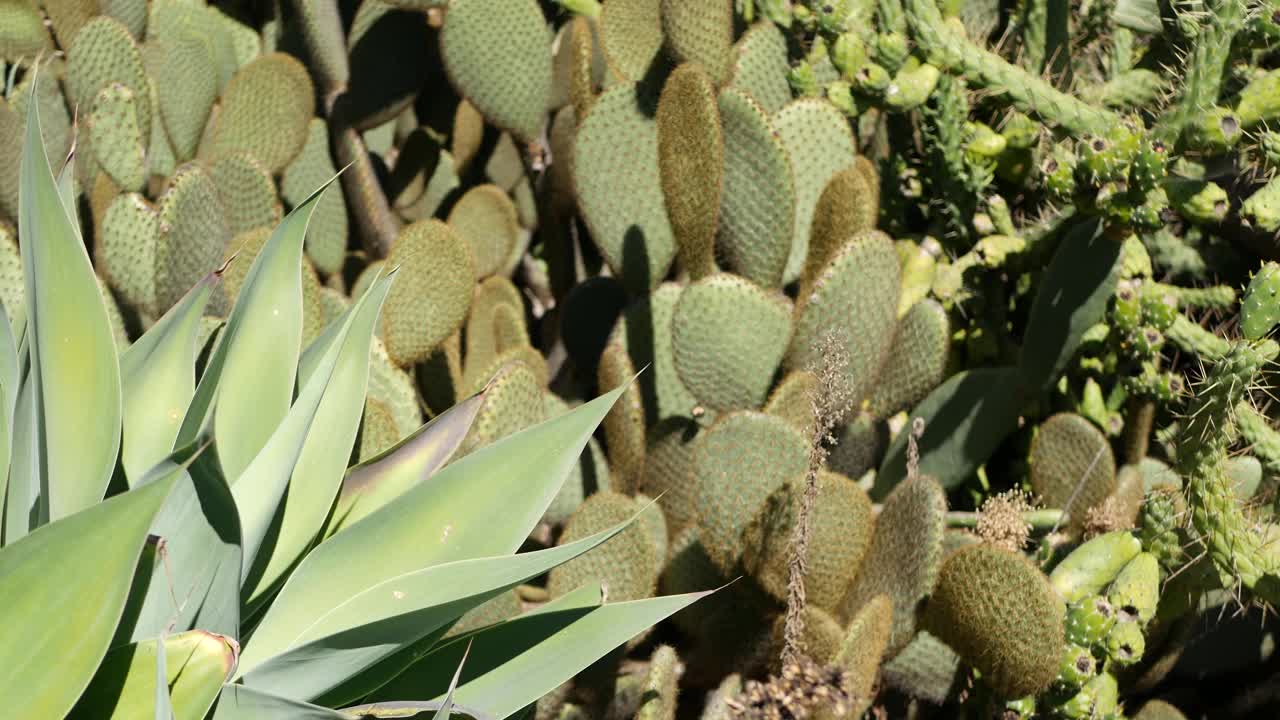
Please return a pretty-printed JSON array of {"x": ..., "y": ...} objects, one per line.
[
  {"x": 1125, "y": 643},
  {"x": 1136, "y": 590},
  {"x": 1092, "y": 566},
  {"x": 1078, "y": 666},
  {"x": 1089, "y": 620}
]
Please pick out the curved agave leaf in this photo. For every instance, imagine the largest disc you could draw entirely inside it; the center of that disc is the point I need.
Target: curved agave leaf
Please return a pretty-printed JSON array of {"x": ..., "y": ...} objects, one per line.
[
  {"x": 76, "y": 375},
  {"x": 390, "y": 616},
  {"x": 237, "y": 702},
  {"x": 393, "y": 472},
  {"x": 158, "y": 378},
  {"x": 263, "y": 485},
  {"x": 51, "y": 621},
  {"x": 339, "y": 359},
  {"x": 483, "y": 505},
  {"x": 191, "y": 671}
]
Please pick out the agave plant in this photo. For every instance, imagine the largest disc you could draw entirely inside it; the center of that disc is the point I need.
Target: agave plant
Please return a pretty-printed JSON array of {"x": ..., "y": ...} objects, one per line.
[{"x": 183, "y": 537}]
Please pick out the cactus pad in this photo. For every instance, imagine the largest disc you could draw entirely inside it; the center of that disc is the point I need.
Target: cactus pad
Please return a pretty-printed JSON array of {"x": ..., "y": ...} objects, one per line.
[
  {"x": 700, "y": 31},
  {"x": 631, "y": 37},
  {"x": 432, "y": 292},
  {"x": 645, "y": 330},
  {"x": 12, "y": 287},
  {"x": 22, "y": 32},
  {"x": 729, "y": 337},
  {"x": 1260, "y": 308},
  {"x": 1000, "y": 613},
  {"x": 485, "y": 216},
  {"x": 625, "y": 565},
  {"x": 737, "y": 463},
  {"x": 514, "y": 403},
  {"x": 821, "y": 638},
  {"x": 193, "y": 234},
  {"x": 247, "y": 192},
  {"x": 840, "y": 530},
  {"x": 103, "y": 53},
  {"x": 905, "y": 554},
  {"x": 130, "y": 234},
  {"x": 181, "y": 61},
  {"x": 758, "y": 204},
  {"x": 820, "y": 144},
  {"x": 118, "y": 143},
  {"x": 920, "y": 351},
  {"x": 760, "y": 66},
  {"x": 327, "y": 231},
  {"x": 624, "y": 425},
  {"x": 498, "y": 56},
  {"x": 274, "y": 91},
  {"x": 847, "y": 207},
  {"x": 862, "y": 649},
  {"x": 856, "y": 298},
  {"x": 926, "y": 668},
  {"x": 667, "y": 471},
  {"x": 1072, "y": 466},
  {"x": 691, "y": 165},
  {"x": 793, "y": 400}
]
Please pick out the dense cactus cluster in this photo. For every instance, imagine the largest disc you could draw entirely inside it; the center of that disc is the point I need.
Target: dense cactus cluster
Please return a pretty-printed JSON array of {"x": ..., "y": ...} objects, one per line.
[{"x": 939, "y": 331}]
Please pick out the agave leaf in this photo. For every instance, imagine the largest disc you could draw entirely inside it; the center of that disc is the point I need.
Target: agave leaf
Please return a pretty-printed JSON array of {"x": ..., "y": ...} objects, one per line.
[
  {"x": 76, "y": 375},
  {"x": 480, "y": 506},
  {"x": 237, "y": 702},
  {"x": 190, "y": 671},
  {"x": 516, "y": 662},
  {"x": 201, "y": 533},
  {"x": 52, "y": 622},
  {"x": 376, "y": 482},
  {"x": 158, "y": 378},
  {"x": 250, "y": 376},
  {"x": 390, "y": 616},
  {"x": 317, "y": 473},
  {"x": 446, "y": 706},
  {"x": 265, "y": 480},
  {"x": 67, "y": 191},
  {"x": 22, "y": 501}
]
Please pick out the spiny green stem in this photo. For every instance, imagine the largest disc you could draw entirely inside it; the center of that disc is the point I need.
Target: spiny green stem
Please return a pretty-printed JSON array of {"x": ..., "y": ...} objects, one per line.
[{"x": 1039, "y": 520}]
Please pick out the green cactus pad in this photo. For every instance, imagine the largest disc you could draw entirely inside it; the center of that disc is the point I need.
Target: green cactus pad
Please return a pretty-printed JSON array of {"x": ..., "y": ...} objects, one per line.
[
  {"x": 905, "y": 554},
  {"x": 485, "y": 216},
  {"x": 103, "y": 53},
  {"x": 645, "y": 330},
  {"x": 1072, "y": 466},
  {"x": 22, "y": 31},
  {"x": 327, "y": 231},
  {"x": 855, "y": 297},
  {"x": 1136, "y": 590},
  {"x": 737, "y": 463},
  {"x": 821, "y": 638},
  {"x": 820, "y": 144},
  {"x": 241, "y": 252},
  {"x": 394, "y": 387},
  {"x": 624, "y": 425},
  {"x": 793, "y": 400},
  {"x": 622, "y": 203},
  {"x": 848, "y": 206},
  {"x": 760, "y": 66},
  {"x": 729, "y": 337},
  {"x": 193, "y": 234},
  {"x": 860, "y": 443},
  {"x": 247, "y": 192},
  {"x": 861, "y": 651},
  {"x": 668, "y": 465},
  {"x": 920, "y": 351},
  {"x": 1260, "y": 308},
  {"x": 658, "y": 701},
  {"x": 1001, "y": 615},
  {"x": 117, "y": 142},
  {"x": 130, "y": 234},
  {"x": 590, "y": 474},
  {"x": 432, "y": 292},
  {"x": 758, "y": 205},
  {"x": 587, "y": 66},
  {"x": 379, "y": 431},
  {"x": 274, "y": 91},
  {"x": 1092, "y": 566},
  {"x": 514, "y": 402},
  {"x": 926, "y": 668},
  {"x": 631, "y": 37},
  {"x": 625, "y": 566},
  {"x": 181, "y": 61},
  {"x": 840, "y": 534},
  {"x": 481, "y": 335},
  {"x": 498, "y": 56},
  {"x": 691, "y": 165},
  {"x": 700, "y": 31},
  {"x": 12, "y": 283}
]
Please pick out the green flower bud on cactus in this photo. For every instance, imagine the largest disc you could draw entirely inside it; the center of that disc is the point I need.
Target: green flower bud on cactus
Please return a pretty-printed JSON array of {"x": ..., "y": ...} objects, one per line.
[
  {"x": 849, "y": 54},
  {"x": 1089, "y": 620},
  {"x": 1125, "y": 643},
  {"x": 891, "y": 49},
  {"x": 1199, "y": 201},
  {"x": 911, "y": 87},
  {"x": 1136, "y": 590},
  {"x": 1107, "y": 159},
  {"x": 1216, "y": 131},
  {"x": 1149, "y": 165},
  {"x": 984, "y": 143},
  {"x": 1077, "y": 667},
  {"x": 1260, "y": 308},
  {"x": 1092, "y": 566},
  {"x": 1127, "y": 311},
  {"x": 1059, "y": 172},
  {"x": 1020, "y": 131},
  {"x": 872, "y": 79},
  {"x": 1159, "y": 308}
]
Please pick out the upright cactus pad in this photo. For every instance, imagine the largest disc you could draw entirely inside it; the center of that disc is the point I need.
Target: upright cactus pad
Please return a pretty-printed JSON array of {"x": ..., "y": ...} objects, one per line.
[
  {"x": 926, "y": 668},
  {"x": 514, "y": 403},
  {"x": 700, "y": 31},
  {"x": 103, "y": 53},
  {"x": 116, "y": 139},
  {"x": 729, "y": 337},
  {"x": 326, "y": 242},
  {"x": 625, "y": 566},
  {"x": 1072, "y": 466},
  {"x": 274, "y": 91},
  {"x": 737, "y": 464},
  {"x": 855, "y": 297},
  {"x": 181, "y": 60},
  {"x": 498, "y": 56},
  {"x": 840, "y": 533},
  {"x": 130, "y": 234},
  {"x": 691, "y": 165},
  {"x": 757, "y": 207},
  {"x": 1002, "y": 616},
  {"x": 820, "y": 144},
  {"x": 668, "y": 473},
  {"x": 194, "y": 233},
  {"x": 862, "y": 649},
  {"x": 589, "y": 475},
  {"x": 247, "y": 192},
  {"x": 903, "y": 559},
  {"x": 485, "y": 216},
  {"x": 432, "y": 292},
  {"x": 624, "y": 425},
  {"x": 794, "y": 399},
  {"x": 645, "y": 330},
  {"x": 631, "y": 37},
  {"x": 760, "y": 66},
  {"x": 623, "y": 204},
  {"x": 919, "y": 354}
]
